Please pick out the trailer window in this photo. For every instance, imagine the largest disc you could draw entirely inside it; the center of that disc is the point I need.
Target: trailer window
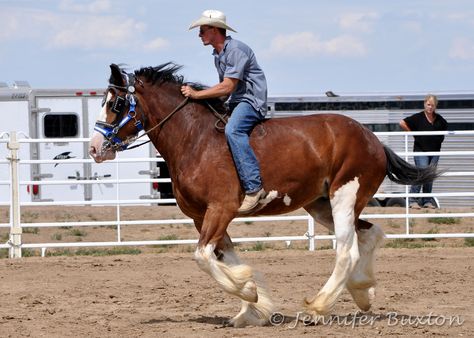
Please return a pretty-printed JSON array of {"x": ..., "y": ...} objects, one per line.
[{"x": 60, "y": 125}]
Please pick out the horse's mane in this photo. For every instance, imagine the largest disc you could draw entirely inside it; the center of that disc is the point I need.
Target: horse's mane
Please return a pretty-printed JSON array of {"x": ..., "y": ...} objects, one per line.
[{"x": 167, "y": 72}]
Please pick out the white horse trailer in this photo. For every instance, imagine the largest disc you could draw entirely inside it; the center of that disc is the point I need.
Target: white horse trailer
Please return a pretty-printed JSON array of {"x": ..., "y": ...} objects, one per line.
[
  {"x": 56, "y": 115},
  {"x": 61, "y": 117}
]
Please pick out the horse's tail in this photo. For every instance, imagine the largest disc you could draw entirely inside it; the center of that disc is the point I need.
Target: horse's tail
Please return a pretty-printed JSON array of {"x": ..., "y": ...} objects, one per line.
[{"x": 402, "y": 172}]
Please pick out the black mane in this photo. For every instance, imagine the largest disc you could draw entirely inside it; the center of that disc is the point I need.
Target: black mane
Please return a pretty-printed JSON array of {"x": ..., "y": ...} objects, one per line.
[{"x": 167, "y": 72}]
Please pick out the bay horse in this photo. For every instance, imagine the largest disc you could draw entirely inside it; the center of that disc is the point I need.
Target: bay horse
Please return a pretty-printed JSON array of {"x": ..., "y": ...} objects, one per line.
[{"x": 328, "y": 164}]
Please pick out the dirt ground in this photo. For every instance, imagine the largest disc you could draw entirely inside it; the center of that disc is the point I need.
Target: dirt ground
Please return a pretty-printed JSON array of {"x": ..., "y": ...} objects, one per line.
[
  {"x": 421, "y": 292},
  {"x": 424, "y": 288}
]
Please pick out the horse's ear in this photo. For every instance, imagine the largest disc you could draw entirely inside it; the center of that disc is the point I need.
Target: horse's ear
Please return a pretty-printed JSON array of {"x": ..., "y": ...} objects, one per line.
[{"x": 116, "y": 75}]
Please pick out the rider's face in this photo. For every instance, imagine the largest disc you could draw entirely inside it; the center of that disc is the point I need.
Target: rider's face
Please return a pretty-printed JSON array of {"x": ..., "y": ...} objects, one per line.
[{"x": 206, "y": 33}]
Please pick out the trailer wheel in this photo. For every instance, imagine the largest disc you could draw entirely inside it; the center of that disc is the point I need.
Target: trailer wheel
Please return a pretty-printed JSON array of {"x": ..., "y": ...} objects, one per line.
[
  {"x": 396, "y": 202},
  {"x": 373, "y": 203}
]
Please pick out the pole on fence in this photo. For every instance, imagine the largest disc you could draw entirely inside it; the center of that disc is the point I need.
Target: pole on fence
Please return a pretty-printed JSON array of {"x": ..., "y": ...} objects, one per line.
[
  {"x": 15, "y": 229},
  {"x": 407, "y": 201},
  {"x": 311, "y": 245}
]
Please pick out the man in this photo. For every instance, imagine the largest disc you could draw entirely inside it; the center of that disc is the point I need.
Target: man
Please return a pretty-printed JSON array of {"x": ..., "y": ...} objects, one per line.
[
  {"x": 427, "y": 120},
  {"x": 242, "y": 78}
]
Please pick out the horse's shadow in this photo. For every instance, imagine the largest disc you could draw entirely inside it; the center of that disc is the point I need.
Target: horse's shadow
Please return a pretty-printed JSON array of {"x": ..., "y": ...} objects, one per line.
[
  {"x": 355, "y": 319},
  {"x": 215, "y": 320}
]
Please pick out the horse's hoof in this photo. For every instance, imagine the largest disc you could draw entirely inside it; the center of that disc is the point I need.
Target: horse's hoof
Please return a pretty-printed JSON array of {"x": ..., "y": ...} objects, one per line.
[
  {"x": 363, "y": 297},
  {"x": 227, "y": 323}
]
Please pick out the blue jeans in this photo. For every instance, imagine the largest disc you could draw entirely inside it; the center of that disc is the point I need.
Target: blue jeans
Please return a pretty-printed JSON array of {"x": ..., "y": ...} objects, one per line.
[
  {"x": 237, "y": 131},
  {"x": 423, "y": 162}
]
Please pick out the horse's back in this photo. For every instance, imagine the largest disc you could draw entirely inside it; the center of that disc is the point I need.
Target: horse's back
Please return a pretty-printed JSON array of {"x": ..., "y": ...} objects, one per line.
[
  {"x": 325, "y": 133},
  {"x": 318, "y": 152}
]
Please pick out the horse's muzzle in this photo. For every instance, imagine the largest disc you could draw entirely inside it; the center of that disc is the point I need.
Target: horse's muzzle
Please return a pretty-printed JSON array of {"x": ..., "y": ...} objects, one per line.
[{"x": 99, "y": 151}]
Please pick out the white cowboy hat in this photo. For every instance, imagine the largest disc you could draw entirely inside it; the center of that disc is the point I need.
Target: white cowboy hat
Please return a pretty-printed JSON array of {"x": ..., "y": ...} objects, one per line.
[{"x": 212, "y": 18}]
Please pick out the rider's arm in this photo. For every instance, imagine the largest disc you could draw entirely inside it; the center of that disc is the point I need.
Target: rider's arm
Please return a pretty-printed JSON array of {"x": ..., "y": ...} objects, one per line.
[{"x": 224, "y": 88}]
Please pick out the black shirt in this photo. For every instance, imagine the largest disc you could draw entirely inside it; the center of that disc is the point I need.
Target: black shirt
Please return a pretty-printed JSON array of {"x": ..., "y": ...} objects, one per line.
[{"x": 419, "y": 122}]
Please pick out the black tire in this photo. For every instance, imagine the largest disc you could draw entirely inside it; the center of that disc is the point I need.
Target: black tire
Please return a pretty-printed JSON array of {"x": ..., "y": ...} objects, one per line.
[
  {"x": 373, "y": 203},
  {"x": 395, "y": 202}
]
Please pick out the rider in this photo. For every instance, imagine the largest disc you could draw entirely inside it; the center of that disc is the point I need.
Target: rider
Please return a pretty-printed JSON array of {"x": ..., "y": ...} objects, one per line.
[{"x": 242, "y": 78}]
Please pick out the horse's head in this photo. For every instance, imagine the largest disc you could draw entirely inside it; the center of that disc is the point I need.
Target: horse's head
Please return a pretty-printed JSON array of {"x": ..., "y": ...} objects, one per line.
[{"x": 118, "y": 123}]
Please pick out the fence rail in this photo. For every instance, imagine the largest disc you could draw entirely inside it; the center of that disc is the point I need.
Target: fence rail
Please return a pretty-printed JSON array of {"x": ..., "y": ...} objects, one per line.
[{"x": 15, "y": 245}]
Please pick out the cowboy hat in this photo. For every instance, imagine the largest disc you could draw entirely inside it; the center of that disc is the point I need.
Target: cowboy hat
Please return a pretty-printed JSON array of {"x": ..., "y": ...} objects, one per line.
[{"x": 212, "y": 18}]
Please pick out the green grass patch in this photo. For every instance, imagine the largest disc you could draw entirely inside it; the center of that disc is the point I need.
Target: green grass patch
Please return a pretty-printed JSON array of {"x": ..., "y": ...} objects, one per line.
[
  {"x": 444, "y": 220},
  {"x": 57, "y": 236},
  {"x": 4, "y": 237},
  {"x": 95, "y": 252},
  {"x": 77, "y": 233},
  {"x": 162, "y": 248},
  {"x": 469, "y": 241},
  {"x": 404, "y": 243},
  {"x": 3, "y": 253},
  {"x": 29, "y": 216},
  {"x": 30, "y": 230},
  {"x": 258, "y": 246},
  {"x": 434, "y": 230},
  {"x": 171, "y": 237}
]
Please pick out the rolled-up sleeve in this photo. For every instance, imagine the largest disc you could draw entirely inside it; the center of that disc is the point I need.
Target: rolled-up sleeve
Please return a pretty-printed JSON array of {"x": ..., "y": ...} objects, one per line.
[{"x": 236, "y": 63}]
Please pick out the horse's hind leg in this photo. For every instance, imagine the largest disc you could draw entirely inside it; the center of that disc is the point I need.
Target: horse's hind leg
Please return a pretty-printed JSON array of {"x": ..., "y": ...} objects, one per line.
[
  {"x": 347, "y": 250},
  {"x": 361, "y": 283}
]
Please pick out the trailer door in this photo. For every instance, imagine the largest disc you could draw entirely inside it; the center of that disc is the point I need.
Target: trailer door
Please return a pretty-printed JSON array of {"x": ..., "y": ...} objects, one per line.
[{"x": 58, "y": 118}]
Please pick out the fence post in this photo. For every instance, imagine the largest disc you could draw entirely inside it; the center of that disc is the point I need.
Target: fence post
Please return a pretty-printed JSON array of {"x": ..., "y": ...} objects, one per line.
[
  {"x": 311, "y": 245},
  {"x": 15, "y": 226}
]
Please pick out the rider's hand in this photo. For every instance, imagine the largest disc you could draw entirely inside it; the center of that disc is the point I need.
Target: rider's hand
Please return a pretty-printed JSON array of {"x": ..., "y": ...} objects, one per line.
[{"x": 189, "y": 92}]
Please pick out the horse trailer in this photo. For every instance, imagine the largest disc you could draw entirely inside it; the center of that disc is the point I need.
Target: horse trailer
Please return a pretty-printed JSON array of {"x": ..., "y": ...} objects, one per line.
[
  {"x": 382, "y": 112},
  {"x": 60, "y": 117}
]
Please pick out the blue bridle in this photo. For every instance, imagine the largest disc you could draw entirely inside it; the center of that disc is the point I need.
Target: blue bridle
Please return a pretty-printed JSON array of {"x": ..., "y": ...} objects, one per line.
[{"x": 110, "y": 131}]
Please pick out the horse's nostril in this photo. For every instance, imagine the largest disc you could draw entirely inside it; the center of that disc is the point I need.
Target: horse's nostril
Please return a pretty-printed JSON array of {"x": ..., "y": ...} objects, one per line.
[{"x": 92, "y": 151}]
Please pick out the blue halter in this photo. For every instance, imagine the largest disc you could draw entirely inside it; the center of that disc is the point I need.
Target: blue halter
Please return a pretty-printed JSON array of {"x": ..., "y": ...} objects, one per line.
[{"x": 110, "y": 131}]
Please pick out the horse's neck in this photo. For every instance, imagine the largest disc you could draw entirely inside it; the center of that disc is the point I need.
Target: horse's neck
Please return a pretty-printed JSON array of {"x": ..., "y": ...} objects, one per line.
[{"x": 185, "y": 132}]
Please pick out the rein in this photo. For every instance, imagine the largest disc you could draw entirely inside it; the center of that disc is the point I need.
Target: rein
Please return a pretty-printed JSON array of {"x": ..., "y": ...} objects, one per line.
[
  {"x": 181, "y": 105},
  {"x": 110, "y": 131}
]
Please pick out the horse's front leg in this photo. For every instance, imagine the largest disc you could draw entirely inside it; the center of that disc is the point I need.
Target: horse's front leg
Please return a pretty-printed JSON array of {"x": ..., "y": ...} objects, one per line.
[
  {"x": 226, "y": 268},
  {"x": 252, "y": 313},
  {"x": 236, "y": 279}
]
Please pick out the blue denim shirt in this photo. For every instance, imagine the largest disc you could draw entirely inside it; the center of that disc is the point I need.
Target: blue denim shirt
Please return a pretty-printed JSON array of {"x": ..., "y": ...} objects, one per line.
[{"x": 237, "y": 61}]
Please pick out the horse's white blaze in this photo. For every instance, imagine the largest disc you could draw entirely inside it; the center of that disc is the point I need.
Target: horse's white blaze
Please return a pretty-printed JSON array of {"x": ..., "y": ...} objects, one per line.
[
  {"x": 347, "y": 251},
  {"x": 103, "y": 112},
  {"x": 97, "y": 139}
]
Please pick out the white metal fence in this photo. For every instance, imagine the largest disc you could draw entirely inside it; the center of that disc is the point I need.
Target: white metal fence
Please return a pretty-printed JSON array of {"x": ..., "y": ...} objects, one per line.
[{"x": 15, "y": 244}]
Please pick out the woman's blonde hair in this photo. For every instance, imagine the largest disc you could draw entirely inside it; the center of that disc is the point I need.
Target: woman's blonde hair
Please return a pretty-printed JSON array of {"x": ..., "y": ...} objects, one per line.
[{"x": 432, "y": 97}]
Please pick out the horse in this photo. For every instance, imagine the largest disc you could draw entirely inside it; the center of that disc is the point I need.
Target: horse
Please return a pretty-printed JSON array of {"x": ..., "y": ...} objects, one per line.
[{"x": 328, "y": 164}]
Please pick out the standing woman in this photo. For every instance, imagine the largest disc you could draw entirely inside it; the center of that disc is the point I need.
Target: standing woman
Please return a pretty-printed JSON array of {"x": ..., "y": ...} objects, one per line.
[{"x": 427, "y": 120}]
